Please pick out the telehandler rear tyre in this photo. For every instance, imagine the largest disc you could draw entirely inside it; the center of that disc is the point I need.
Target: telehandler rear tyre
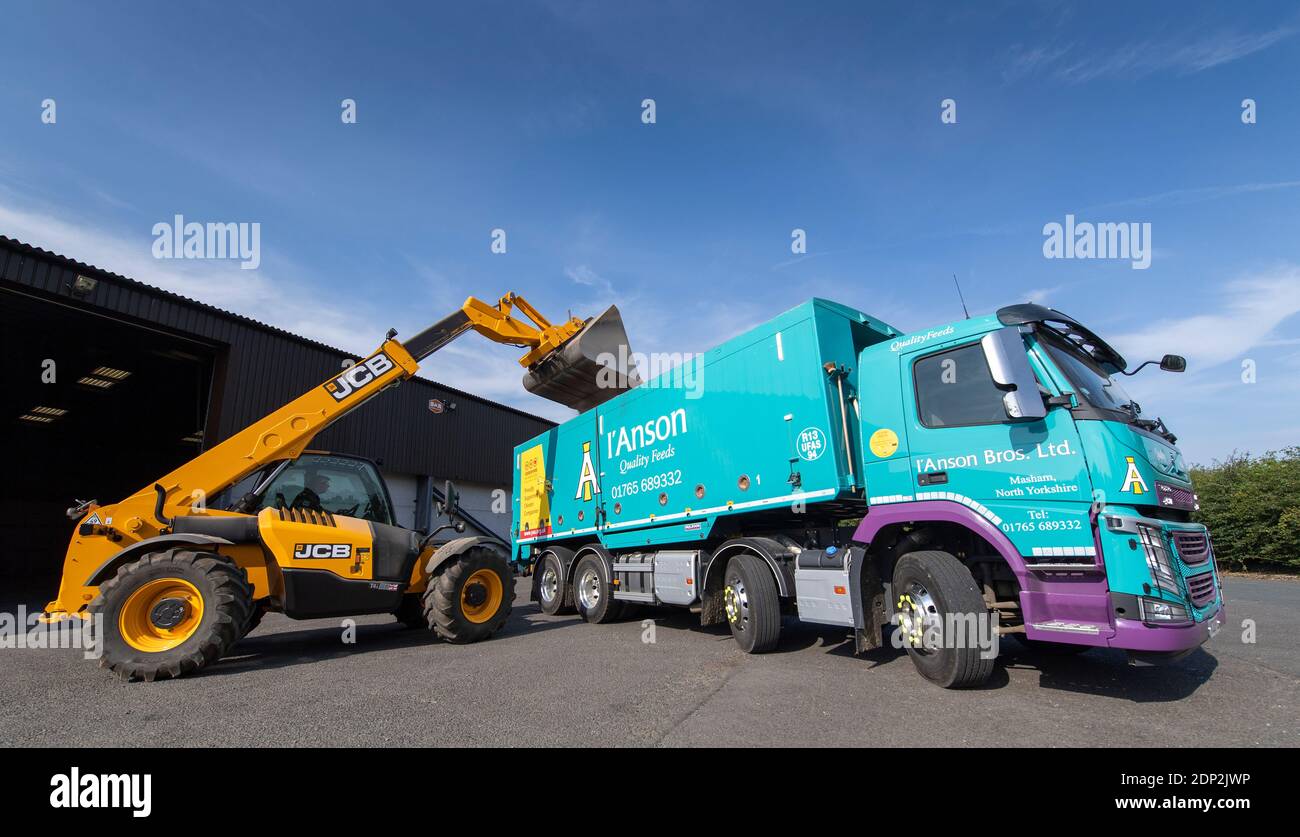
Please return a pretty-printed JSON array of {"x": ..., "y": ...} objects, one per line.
[
  {"x": 470, "y": 597},
  {"x": 169, "y": 614}
]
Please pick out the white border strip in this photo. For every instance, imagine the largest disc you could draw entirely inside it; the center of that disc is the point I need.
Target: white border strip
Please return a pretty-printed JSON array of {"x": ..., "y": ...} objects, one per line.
[
  {"x": 692, "y": 514},
  {"x": 973, "y": 505}
]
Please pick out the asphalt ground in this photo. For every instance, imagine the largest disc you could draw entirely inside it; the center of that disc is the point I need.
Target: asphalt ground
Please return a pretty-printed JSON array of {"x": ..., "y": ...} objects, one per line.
[{"x": 556, "y": 681}]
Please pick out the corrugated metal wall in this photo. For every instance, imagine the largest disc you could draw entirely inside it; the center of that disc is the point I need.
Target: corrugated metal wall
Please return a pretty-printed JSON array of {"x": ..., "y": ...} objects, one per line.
[{"x": 264, "y": 367}]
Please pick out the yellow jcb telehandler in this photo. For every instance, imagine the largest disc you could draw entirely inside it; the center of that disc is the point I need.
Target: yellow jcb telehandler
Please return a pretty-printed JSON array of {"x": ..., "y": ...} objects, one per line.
[{"x": 170, "y": 581}]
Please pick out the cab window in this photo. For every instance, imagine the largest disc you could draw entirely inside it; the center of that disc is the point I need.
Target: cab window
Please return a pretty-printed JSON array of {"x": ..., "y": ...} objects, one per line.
[
  {"x": 954, "y": 388},
  {"x": 335, "y": 484}
]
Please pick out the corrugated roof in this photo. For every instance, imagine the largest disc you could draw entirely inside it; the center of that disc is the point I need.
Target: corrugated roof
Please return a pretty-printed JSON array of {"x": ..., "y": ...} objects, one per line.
[{"x": 101, "y": 273}]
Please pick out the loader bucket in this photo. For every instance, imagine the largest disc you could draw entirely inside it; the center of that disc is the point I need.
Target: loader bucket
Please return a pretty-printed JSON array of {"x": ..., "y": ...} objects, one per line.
[{"x": 590, "y": 368}]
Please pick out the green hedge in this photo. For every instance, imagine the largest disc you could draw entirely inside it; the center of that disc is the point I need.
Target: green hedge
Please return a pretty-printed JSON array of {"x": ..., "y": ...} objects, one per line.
[{"x": 1252, "y": 507}]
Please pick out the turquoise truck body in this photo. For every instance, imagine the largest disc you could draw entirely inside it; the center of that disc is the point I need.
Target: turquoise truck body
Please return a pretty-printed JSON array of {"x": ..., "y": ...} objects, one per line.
[{"x": 827, "y": 430}]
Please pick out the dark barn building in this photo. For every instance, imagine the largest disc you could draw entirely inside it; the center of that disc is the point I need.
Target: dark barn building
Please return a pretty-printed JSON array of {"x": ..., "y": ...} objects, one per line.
[{"x": 111, "y": 383}]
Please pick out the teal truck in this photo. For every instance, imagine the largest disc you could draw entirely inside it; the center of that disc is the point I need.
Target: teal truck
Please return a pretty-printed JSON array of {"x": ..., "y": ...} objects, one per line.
[{"x": 937, "y": 490}]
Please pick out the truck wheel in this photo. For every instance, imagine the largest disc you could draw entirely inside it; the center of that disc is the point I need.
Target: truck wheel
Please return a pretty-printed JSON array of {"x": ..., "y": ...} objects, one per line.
[
  {"x": 471, "y": 596},
  {"x": 169, "y": 613},
  {"x": 554, "y": 594},
  {"x": 593, "y": 594},
  {"x": 752, "y": 604},
  {"x": 411, "y": 612},
  {"x": 928, "y": 587}
]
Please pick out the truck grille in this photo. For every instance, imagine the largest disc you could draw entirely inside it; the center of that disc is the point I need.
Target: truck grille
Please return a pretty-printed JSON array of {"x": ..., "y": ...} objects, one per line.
[
  {"x": 1200, "y": 589},
  {"x": 1193, "y": 547}
]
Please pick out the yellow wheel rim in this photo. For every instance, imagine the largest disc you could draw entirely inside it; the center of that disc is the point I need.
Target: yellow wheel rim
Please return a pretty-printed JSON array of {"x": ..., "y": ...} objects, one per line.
[
  {"x": 160, "y": 615},
  {"x": 481, "y": 596}
]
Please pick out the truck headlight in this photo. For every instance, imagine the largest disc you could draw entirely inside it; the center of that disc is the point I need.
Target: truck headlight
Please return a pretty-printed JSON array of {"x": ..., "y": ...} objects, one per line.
[
  {"x": 1159, "y": 559},
  {"x": 1157, "y": 612}
]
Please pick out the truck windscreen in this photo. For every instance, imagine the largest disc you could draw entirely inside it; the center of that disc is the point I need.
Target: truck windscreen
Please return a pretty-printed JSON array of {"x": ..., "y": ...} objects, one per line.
[{"x": 1090, "y": 380}]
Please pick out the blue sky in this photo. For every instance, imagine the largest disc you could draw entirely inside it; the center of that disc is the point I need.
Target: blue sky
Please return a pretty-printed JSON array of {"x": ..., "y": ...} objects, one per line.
[{"x": 770, "y": 117}]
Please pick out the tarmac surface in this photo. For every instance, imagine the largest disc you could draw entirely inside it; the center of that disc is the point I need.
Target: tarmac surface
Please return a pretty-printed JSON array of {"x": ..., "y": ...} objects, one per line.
[{"x": 557, "y": 681}]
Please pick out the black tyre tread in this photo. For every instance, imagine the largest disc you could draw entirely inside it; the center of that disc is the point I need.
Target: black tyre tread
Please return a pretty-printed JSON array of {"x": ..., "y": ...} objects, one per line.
[
  {"x": 232, "y": 603},
  {"x": 255, "y": 614},
  {"x": 566, "y": 605},
  {"x": 765, "y": 602},
  {"x": 411, "y": 612},
  {"x": 442, "y": 597},
  {"x": 963, "y": 596},
  {"x": 611, "y": 610}
]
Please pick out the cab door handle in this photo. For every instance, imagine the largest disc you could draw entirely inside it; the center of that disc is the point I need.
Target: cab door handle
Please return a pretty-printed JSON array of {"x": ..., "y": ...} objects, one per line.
[{"x": 933, "y": 478}]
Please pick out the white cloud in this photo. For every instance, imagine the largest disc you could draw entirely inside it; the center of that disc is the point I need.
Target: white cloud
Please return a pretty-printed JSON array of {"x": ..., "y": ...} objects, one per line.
[
  {"x": 275, "y": 296},
  {"x": 1180, "y": 197},
  {"x": 1139, "y": 59},
  {"x": 265, "y": 294},
  {"x": 1248, "y": 313},
  {"x": 584, "y": 275},
  {"x": 1042, "y": 295}
]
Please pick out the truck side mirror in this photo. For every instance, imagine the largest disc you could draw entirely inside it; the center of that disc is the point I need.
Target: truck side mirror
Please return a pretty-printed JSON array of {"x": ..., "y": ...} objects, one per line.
[
  {"x": 1173, "y": 363},
  {"x": 1004, "y": 350}
]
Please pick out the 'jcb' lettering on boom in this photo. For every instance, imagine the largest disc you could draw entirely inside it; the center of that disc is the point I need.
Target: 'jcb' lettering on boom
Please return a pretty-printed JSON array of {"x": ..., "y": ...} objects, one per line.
[{"x": 359, "y": 376}]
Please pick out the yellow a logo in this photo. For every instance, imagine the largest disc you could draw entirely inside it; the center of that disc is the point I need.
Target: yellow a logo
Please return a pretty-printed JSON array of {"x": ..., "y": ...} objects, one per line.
[
  {"x": 587, "y": 483},
  {"x": 1132, "y": 479}
]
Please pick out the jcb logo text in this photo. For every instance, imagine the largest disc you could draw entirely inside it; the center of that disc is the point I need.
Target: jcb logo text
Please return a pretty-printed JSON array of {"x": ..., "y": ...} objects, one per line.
[
  {"x": 323, "y": 550},
  {"x": 359, "y": 376}
]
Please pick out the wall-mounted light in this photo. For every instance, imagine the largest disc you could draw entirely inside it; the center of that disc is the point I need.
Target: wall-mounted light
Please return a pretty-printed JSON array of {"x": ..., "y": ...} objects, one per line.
[{"x": 83, "y": 285}]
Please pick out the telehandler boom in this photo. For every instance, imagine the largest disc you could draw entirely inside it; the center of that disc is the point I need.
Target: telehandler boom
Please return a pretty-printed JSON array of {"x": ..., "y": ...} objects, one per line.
[{"x": 170, "y": 582}]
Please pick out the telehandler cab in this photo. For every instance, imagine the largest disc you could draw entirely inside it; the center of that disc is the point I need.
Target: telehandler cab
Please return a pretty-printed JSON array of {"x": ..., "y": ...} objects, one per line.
[{"x": 174, "y": 575}]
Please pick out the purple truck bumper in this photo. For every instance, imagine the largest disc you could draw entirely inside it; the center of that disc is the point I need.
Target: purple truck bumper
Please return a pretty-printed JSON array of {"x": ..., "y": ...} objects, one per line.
[{"x": 1132, "y": 635}]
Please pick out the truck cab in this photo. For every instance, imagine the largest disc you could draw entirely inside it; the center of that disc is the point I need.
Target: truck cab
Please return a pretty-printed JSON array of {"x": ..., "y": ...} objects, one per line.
[{"x": 1015, "y": 437}]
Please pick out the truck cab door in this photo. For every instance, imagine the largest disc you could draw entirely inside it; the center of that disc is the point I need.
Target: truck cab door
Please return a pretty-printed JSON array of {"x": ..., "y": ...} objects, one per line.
[{"x": 1026, "y": 475}]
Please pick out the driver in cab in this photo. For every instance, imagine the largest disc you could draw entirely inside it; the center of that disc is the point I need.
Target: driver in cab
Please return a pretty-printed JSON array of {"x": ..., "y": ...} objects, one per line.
[{"x": 309, "y": 498}]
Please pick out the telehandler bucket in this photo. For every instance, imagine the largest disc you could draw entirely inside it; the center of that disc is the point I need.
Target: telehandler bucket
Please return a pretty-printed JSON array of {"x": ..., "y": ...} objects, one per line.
[{"x": 589, "y": 368}]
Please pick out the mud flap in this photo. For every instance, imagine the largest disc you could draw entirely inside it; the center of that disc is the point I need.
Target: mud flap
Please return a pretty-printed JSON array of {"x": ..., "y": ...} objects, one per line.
[{"x": 867, "y": 590}]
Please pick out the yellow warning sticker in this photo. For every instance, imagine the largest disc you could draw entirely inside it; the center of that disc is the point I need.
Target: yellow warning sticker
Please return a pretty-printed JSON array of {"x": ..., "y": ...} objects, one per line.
[
  {"x": 884, "y": 442},
  {"x": 534, "y": 511}
]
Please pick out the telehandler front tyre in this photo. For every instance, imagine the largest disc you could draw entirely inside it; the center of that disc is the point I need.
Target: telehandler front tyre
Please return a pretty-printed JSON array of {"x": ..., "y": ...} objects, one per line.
[
  {"x": 470, "y": 597},
  {"x": 169, "y": 614},
  {"x": 938, "y": 607},
  {"x": 255, "y": 614}
]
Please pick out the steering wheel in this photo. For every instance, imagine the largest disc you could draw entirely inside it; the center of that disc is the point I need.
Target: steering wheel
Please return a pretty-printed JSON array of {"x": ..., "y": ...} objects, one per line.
[{"x": 352, "y": 512}]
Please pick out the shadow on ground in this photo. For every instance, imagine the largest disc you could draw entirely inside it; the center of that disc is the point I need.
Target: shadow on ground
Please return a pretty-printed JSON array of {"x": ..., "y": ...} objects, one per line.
[{"x": 1099, "y": 671}]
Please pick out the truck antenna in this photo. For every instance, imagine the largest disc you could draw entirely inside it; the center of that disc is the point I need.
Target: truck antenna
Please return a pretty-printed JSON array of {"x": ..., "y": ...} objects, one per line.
[{"x": 959, "y": 296}]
